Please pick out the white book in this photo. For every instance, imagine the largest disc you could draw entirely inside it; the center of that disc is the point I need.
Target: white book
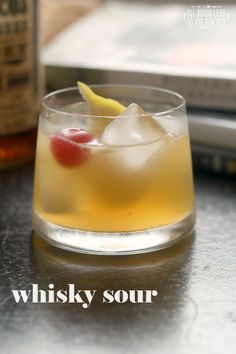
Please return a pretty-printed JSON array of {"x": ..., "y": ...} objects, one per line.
[
  {"x": 150, "y": 44},
  {"x": 213, "y": 130}
]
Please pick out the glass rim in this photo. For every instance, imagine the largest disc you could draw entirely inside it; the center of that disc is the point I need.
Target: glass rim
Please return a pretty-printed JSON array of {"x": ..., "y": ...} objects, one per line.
[{"x": 76, "y": 88}]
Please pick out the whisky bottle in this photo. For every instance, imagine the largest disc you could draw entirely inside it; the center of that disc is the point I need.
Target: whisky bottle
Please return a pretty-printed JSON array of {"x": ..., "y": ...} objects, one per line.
[{"x": 19, "y": 81}]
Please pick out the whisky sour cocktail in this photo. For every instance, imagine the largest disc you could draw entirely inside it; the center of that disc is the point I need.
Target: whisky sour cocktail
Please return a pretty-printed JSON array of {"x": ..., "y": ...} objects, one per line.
[{"x": 113, "y": 175}]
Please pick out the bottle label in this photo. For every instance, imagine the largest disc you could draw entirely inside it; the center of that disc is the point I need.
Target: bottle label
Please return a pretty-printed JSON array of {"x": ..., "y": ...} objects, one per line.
[{"x": 18, "y": 66}]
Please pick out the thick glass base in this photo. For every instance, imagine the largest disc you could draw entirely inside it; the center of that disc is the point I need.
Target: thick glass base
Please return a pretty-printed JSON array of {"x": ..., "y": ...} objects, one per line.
[{"x": 114, "y": 243}]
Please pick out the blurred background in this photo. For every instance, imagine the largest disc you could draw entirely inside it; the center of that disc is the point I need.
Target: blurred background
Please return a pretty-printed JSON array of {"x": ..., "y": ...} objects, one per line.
[
  {"x": 179, "y": 45},
  {"x": 186, "y": 46}
]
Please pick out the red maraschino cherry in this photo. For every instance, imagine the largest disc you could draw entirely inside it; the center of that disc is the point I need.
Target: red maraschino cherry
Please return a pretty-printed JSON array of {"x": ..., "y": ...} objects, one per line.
[{"x": 66, "y": 148}]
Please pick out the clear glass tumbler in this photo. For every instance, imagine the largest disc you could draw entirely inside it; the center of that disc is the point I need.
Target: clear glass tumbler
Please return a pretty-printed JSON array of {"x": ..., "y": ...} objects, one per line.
[{"x": 122, "y": 198}]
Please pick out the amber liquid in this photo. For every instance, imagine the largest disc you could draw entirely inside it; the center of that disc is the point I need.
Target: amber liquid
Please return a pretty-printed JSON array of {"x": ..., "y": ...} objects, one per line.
[
  {"x": 103, "y": 195},
  {"x": 18, "y": 149}
]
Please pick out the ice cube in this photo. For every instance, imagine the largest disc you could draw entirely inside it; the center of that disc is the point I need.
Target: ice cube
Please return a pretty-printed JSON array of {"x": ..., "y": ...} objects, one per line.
[
  {"x": 174, "y": 125},
  {"x": 138, "y": 133},
  {"x": 56, "y": 195},
  {"x": 59, "y": 121},
  {"x": 80, "y": 108}
]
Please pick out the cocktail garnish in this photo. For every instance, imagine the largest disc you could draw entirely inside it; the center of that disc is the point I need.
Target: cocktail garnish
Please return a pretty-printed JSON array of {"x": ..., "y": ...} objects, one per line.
[
  {"x": 66, "y": 147},
  {"x": 98, "y": 105}
]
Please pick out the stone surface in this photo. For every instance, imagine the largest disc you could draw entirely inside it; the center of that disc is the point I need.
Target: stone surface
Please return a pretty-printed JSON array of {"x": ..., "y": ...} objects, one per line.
[{"x": 195, "y": 311}]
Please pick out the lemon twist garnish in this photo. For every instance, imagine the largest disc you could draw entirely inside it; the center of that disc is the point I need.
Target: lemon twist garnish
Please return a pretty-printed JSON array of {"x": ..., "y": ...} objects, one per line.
[{"x": 98, "y": 105}]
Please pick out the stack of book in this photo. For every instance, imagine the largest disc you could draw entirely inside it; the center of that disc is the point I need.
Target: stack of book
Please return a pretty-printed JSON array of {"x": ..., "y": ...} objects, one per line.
[{"x": 188, "y": 49}]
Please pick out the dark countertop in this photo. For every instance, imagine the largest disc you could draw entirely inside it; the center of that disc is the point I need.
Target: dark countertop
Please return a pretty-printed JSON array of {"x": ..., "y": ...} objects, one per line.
[{"x": 195, "y": 311}]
